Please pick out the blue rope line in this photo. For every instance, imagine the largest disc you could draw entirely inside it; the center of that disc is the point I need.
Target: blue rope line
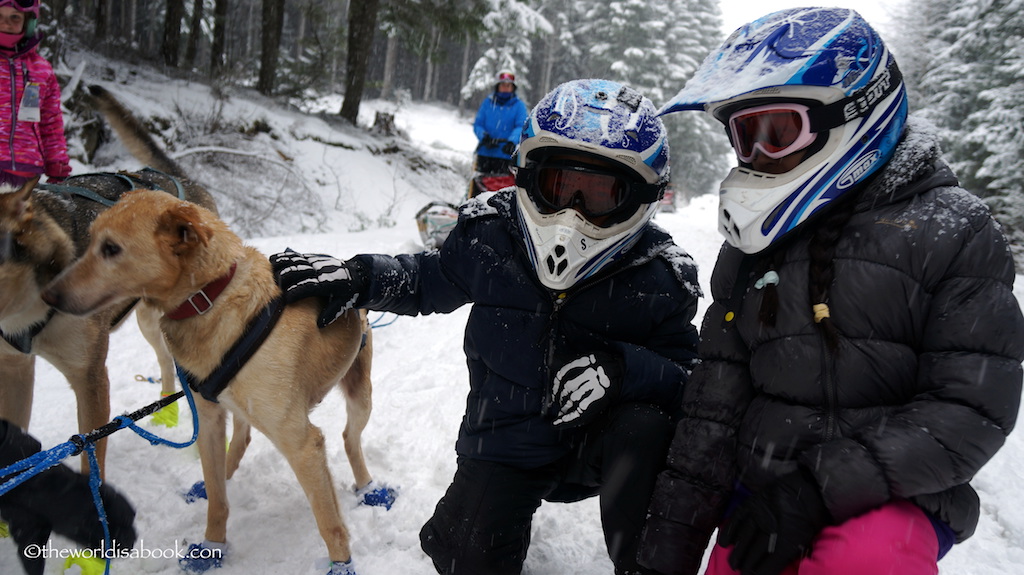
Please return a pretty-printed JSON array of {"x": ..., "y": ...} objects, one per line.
[
  {"x": 35, "y": 464},
  {"x": 376, "y": 323},
  {"x": 157, "y": 440},
  {"x": 94, "y": 485}
]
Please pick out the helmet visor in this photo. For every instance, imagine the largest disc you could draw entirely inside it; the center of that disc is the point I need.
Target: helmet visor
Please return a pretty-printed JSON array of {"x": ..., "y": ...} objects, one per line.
[
  {"x": 777, "y": 130},
  {"x": 592, "y": 191}
]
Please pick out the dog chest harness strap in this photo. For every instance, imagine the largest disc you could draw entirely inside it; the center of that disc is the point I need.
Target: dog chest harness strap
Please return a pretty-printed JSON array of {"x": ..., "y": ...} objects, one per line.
[
  {"x": 240, "y": 353},
  {"x": 201, "y": 301},
  {"x": 23, "y": 341}
]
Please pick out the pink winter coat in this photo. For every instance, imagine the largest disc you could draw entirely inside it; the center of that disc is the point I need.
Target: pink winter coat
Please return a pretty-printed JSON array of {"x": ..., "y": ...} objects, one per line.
[{"x": 28, "y": 144}]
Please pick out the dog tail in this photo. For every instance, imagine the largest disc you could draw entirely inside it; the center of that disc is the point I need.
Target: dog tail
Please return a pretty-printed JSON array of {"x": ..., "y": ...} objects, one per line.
[{"x": 133, "y": 134}]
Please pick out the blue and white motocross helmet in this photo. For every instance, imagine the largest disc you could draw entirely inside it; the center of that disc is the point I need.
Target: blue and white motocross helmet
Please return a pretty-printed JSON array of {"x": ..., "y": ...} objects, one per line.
[
  {"x": 616, "y": 126},
  {"x": 827, "y": 59}
]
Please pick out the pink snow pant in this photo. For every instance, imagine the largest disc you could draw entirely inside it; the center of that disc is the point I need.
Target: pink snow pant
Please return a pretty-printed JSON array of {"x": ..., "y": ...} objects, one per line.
[{"x": 895, "y": 539}]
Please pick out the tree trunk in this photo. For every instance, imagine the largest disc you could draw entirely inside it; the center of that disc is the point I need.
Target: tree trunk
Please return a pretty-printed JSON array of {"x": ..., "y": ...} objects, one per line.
[
  {"x": 464, "y": 76},
  {"x": 362, "y": 23},
  {"x": 273, "y": 24},
  {"x": 220, "y": 32},
  {"x": 428, "y": 86},
  {"x": 195, "y": 32},
  {"x": 102, "y": 24},
  {"x": 172, "y": 32},
  {"x": 390, "y": 60}
]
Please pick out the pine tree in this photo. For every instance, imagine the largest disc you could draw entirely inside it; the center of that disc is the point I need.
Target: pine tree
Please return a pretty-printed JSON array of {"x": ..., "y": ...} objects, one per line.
[
  {"x": 701, "y": 154},
  {"x": 509, "y": 28},
  {"x": 972, "y": 90}
]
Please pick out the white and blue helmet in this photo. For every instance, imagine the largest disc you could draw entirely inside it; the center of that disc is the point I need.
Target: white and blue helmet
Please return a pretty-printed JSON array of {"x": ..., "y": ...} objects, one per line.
[
  {"x": 612, "y": 123},
  {"x": 828, "y": 59}
]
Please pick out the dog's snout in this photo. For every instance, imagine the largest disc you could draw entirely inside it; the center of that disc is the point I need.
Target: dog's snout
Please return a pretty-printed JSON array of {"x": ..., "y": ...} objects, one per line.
[{"x": 52, "y": 298}]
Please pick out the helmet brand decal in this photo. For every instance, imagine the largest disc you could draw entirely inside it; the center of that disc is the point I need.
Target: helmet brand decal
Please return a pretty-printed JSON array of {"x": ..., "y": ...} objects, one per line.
[
  {"x": 856, "y": 171},
  {"x": 864, "y": 102}
]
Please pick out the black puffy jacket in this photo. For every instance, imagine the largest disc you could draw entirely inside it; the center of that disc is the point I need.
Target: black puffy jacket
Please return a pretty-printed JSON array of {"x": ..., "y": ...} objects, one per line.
[
  {"x": 641, "y": 308},
  {"x": 921, "y": 392}
]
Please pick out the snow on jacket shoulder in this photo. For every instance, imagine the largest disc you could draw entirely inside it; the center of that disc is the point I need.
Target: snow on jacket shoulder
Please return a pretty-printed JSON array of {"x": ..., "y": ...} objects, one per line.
[
  {"x": 32, "y": 146},
  {"x": 642, "y": 309},
  {"x": 921, "y": 393}
]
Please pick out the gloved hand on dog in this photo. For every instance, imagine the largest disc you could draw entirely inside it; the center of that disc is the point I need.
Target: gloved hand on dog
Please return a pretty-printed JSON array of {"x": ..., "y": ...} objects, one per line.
[
  {"x": 318, "y": 275},
  {"x": 776, "y": 525},
  {"x": 584, "y": 387}
]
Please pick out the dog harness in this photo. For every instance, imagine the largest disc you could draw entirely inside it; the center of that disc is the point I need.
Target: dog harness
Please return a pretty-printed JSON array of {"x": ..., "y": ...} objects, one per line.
[
  {"x": 239, "y": 354},
  {"x": 22, "y": 341}
]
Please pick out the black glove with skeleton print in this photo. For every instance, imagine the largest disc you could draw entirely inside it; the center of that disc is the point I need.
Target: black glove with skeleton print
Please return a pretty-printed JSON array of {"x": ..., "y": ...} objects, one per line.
[{"x": 584, "y": 387}]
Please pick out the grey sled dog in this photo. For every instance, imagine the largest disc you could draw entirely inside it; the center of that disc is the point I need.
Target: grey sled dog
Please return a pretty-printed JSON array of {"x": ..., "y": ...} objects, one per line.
[
  {"x": 168, "y": 252},
  {"x": 43, "y": 230}
]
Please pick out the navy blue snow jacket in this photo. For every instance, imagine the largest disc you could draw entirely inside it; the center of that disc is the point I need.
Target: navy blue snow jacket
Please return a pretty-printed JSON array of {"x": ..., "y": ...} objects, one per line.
[
  {"x": 641, "y": 308},
  {"x": 501, "y": 120}
]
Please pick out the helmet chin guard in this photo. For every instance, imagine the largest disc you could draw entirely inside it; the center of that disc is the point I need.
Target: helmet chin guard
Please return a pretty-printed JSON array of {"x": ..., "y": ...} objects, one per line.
[{"x": 565, "y": 248}]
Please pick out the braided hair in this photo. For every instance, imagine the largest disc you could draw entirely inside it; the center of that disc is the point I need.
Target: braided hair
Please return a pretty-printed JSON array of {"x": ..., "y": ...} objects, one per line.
[{"x": 821, "y": 248}]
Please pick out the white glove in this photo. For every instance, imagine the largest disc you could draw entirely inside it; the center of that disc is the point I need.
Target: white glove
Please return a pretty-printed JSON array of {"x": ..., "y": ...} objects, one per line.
[{"x": 584, "y": 387}]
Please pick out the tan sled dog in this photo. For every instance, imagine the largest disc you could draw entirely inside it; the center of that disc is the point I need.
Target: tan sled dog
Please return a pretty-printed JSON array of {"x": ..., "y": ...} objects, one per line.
[
  {"x": 43, "y": 229},
  {"x": 152, "y": 246}
]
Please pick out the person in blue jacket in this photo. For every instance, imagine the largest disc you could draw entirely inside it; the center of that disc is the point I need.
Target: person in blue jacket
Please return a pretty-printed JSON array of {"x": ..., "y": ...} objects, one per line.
[
  {"x": 498, "y": 123},
  {"x": 581, "y": 335}
]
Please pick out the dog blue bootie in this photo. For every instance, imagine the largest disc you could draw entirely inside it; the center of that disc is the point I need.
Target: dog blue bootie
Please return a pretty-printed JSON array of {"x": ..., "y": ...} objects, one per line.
[
  {"x": 201, "y": 557},
  {"x": 377, "y": 495},
  {"x": 196, "y": 492},
  {"x": 342, "y": 568}
]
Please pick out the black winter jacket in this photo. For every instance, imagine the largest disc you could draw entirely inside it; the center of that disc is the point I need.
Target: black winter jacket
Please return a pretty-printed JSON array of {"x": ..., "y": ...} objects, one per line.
[
  {"x": 641, "y": 308},
  {"x": 923, "y": 388}
]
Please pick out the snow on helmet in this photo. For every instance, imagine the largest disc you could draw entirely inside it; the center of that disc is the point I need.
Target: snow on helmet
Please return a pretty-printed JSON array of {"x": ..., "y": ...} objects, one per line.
[
  {"x": 832, "y": 62},
  {"x": 614, "y": 126}
]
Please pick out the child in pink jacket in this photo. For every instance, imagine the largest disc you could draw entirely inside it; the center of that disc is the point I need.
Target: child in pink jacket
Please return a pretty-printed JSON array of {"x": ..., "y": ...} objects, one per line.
[{"x": 31, "y": 126}]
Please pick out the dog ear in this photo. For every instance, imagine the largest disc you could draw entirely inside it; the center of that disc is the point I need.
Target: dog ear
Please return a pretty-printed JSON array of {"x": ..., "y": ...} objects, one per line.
[
  {"x": 183, "y": 225},
  {"x": 19, "y": 202}
]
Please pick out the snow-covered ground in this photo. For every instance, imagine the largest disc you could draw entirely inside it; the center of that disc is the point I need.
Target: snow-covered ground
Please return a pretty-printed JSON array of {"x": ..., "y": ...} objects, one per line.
[{"x": 420, "y": 384}]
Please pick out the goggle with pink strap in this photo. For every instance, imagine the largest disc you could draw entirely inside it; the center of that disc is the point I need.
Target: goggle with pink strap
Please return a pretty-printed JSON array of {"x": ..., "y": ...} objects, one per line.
[{"x": 23, "y": 5}]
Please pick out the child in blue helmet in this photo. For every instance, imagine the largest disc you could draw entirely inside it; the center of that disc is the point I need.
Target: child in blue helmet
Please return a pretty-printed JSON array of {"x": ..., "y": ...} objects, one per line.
[
  {"x": 861, "y": 360},
  {"x": 580, "y": 339}
]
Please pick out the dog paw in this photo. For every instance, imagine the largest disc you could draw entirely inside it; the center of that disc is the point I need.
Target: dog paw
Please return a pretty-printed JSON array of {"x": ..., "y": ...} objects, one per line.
[
  {"x": 377, "y": 495},
  {"x": 196, "y": 492},
  {"x": 84, "y": 566},
  {"x": 201, "y": 557},
  {"x": 167, "y": 415},
  {"x": 342, "y": 568}
]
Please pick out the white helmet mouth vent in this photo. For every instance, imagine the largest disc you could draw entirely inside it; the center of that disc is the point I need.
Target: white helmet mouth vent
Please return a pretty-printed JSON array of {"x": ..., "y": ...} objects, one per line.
[{"x": 556, "y": 261}]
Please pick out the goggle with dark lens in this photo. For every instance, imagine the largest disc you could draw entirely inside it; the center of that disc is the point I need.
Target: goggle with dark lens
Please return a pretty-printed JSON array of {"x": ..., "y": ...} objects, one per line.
[
  {"x": 23, "y": 5},
  {"x": 777, "y": 130},
  {"x": 591, "y": 191}
]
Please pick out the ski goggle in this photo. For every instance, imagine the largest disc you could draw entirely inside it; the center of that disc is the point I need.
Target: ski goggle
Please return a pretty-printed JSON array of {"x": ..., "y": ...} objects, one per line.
[
  {"x": 777, "y": 130},
  {"x": 22, "y": 5},
  {"x": 591, "y": 191},
  {"x": 507, "y": 77}
]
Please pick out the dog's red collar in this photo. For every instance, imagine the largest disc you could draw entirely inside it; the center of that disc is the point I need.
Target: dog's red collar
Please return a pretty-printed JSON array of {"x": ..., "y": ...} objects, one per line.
[{"x": 201, "y": 301}]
